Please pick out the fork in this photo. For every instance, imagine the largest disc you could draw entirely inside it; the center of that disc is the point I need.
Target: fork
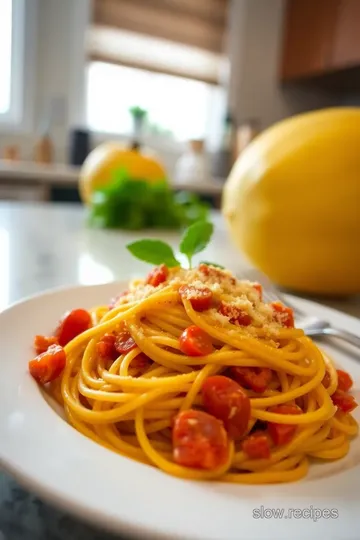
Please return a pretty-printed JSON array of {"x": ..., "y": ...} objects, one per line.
[{"x": 312, "y": 326}]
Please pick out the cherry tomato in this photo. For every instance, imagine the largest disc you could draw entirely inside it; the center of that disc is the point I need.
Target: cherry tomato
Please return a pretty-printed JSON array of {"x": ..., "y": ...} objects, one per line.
[
  {"x": 199, "y": 440},
  {"x": 258, "y": 288},
  {"x": 235, "y": 314},
  {"x": 257, "y": 445},
  {"x": 105, "y": 347},
  {"x": 344, "y": 401},
  {"x": 157, "y": 275},
  {"x": 345, "y": 382},
  {"x": 283, "y": 433},
  {"x": 72, "y": 324},
  {"x": 217, "y": 273},
  {"x": 285, "y": 408},
  {"x": 254, "y": 378},
  {"x": 195, "y": 342},
  {"x": 207, "y": 270},
  {"x": 326, "y": 380},
  {"x": 48, "y": 365},
  {"x": 283, "y": 314},
  {"x": 124, "y": 342},
  {"x": 200, "y": 298},
  {"x": 226, "y": 400},
  {"x": 42, "y": 343}
]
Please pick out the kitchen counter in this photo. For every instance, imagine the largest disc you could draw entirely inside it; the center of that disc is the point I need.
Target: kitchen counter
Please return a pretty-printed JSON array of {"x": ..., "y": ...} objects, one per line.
[
  {"x": 18, "y": 174},
  {"x": 27, "y": 171},
  {"x": 47, "y": 245}
]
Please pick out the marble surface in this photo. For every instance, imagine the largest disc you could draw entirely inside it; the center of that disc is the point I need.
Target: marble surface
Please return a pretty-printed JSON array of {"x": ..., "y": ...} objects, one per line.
[{"x": 46, "y": 246}]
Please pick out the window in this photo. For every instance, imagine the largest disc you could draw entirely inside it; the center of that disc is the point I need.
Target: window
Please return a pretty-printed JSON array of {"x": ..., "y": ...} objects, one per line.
[
  {"x": 166, "y": 57},
  {"x": 177, "y": 107},
  {"x": 12, "y": 27}
]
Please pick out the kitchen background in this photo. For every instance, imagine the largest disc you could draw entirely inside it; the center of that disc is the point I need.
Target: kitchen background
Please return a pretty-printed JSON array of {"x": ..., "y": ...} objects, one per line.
[{"x": 217, "y": 71}]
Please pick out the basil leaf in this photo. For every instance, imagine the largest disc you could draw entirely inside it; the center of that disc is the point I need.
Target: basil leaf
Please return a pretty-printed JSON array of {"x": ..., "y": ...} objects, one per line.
[
  {"x": 196, "y": 238},
  {"x": 213, "y": 264},
  {"x": 154, "y": 252}
]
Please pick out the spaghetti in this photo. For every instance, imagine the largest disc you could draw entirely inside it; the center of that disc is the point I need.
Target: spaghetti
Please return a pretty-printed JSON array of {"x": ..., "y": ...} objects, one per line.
[{"x": 190, "y": 371}]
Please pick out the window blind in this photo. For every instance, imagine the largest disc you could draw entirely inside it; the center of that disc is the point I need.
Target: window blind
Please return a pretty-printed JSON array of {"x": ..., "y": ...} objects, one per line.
[{"x": 179, "y": 37}]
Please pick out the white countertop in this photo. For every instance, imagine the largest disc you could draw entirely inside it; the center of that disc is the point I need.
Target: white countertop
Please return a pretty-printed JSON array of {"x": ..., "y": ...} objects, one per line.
[
  {"x": 27, "y": 172},
  {"x": 49, "y": 245}
]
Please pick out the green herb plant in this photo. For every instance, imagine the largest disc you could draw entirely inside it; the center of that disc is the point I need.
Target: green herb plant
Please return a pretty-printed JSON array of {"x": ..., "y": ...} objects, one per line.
[
  {"x": 135, "y": 204},
  {"x": 194, "y": 240},
  {"x": 137, "y": 112}
]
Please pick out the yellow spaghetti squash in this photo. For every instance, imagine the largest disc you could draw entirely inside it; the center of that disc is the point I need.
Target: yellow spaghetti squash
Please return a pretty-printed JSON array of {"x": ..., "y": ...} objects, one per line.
[
  {"x": 99, "y": 166},
  {"x": 292, "y": 202}
]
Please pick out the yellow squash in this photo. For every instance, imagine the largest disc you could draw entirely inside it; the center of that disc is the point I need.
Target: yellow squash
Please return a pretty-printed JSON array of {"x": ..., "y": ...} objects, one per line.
[
  {"x": 99, "y": 166},
  {"x": 292, "y": 202}
]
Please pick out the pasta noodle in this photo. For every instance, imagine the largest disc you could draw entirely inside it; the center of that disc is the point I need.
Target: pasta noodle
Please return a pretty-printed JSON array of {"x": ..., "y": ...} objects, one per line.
[{"x": 128, "y": 402}]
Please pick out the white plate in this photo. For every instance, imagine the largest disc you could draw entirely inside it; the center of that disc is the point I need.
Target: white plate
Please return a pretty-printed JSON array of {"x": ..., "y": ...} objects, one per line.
[{"x": 51, "y": 458}]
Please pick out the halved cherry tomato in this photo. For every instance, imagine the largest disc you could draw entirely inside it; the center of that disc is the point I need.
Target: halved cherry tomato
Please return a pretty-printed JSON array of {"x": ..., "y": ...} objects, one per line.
[
  {"x": 257, "y": 445},
  {"x": 226, "y": 400},
  {"x": 283, "y": 314},
  {"x": 157, "y": 275},
  {"x": 199, "y": 440},
  {"x": 285, "y": 408},
  {"x": 283, "y": 433},
  {"x": 72, "y": 324},
  {"x": 326, "y": 380},
  {"x": 345, "y": 382},
  {"x": 200, "y": 299},
  {"x": 254, "y": 378},
  {"x": 195, "y": 342},
  {"x": 217, "y": 273},
  {"x": 344, "y": 401},
  {"x": 48, "y": 365},
  {"x": 235, "y": 314},
  {"x": 206, "y": 269},
  {"x": 42, "y": 343},
  {"x": 106, "y": 347},
  {"x": 124, "y": 342},
  {"x": 259, "y": 289}
]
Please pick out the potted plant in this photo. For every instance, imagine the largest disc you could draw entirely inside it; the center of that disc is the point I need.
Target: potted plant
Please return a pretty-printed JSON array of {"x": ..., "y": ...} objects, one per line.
[{"x": 138, "y": 115}]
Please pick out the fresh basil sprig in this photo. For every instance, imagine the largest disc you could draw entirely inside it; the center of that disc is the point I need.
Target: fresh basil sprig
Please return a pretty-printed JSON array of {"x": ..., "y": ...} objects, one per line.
[
  {"x": 194, "y": 240},
  {"x": 153, "y": 251}
]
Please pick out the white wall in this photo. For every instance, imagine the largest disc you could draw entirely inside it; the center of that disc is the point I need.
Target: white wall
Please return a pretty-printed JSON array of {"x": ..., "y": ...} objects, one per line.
[
  {"x": 236, "y": 51},
  {"x": 55, "y": 73},
  {"x": 256, "y": 47},
  {"x": 54, "y": 67}
]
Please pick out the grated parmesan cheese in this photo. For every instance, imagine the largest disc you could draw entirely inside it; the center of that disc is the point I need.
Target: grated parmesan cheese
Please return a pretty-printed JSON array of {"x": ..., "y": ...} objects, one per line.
[
  {"x": 237, "y": 294},
  {"x": 218, "y": 317}
]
